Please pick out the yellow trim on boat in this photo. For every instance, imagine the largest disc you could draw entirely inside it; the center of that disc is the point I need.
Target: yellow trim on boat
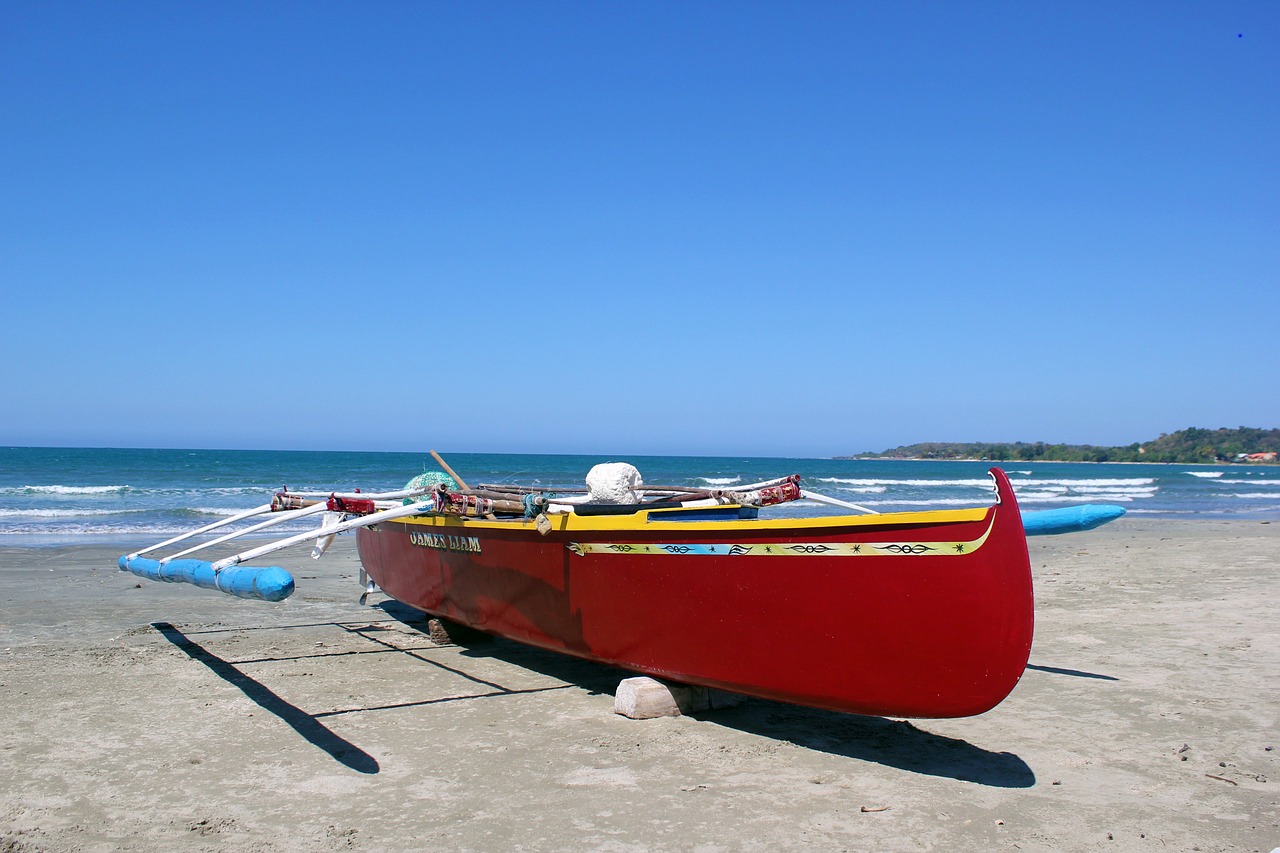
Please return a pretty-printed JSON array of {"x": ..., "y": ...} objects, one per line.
[
  {"x": 653, "y": 520},
  {"x": 787, "y": 549}
]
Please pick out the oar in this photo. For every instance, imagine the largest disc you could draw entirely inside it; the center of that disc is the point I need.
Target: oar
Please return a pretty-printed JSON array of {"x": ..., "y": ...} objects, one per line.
[
  {"x": 530, "y": 490},
  {"x": 448, "y": 470}
]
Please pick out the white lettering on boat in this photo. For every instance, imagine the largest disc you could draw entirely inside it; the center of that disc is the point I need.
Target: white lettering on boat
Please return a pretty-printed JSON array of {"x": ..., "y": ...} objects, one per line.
[{"x": 445, "y": 542}]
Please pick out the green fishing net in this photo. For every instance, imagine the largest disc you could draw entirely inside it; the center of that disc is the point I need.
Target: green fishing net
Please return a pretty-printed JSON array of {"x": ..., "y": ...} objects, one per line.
[{"x": 427, "y": 479}]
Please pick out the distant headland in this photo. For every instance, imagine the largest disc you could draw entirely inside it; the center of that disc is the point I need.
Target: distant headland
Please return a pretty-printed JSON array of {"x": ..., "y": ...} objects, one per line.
[{"x": 1188, "y": 446}]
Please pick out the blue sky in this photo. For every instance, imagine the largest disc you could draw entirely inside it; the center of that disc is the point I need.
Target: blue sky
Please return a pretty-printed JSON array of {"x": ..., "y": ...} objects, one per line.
[{"x": 789, "y": 229}]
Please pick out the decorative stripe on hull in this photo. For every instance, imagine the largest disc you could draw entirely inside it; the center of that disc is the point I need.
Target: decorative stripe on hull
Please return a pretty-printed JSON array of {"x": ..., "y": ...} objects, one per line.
[{"x": 785, "y": 549}]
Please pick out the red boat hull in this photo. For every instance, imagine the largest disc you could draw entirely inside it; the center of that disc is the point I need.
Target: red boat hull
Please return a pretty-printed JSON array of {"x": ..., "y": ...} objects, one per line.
[{"x": 910, "y": 614}]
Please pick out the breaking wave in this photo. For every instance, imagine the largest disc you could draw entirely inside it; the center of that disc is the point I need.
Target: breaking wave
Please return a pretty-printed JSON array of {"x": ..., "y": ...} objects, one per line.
[
  {"x": 865, "y": 481},
  {"x": 60, "y": 513},
  {"x": 1075, "y": 499},
  {"x": 64, "y": 490}
]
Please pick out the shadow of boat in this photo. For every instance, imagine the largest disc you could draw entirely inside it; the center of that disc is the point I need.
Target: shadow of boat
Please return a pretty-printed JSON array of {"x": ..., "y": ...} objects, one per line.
[
  {"x": 306, "y": 725},
  {"x": 892, "y": 743},
  {"x": 901, "y": 744}
]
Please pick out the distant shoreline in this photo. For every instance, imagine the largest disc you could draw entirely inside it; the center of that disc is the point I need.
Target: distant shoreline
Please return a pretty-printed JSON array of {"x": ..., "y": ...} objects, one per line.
[
  {"x": 1037, "y": 461},
  {"x": 1191, "y": 446}
]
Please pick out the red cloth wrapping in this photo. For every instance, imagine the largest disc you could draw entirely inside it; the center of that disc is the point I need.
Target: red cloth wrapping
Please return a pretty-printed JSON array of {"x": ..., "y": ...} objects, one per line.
[{"x": 788, "y": 491}]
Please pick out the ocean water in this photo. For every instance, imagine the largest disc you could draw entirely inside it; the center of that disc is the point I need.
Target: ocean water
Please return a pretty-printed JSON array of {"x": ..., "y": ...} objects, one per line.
[{"x": 136, "y": 497}]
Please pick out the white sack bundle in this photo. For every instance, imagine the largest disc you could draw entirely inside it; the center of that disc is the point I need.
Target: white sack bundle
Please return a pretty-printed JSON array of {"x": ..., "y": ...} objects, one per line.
[{"x": 614, "y": 483}]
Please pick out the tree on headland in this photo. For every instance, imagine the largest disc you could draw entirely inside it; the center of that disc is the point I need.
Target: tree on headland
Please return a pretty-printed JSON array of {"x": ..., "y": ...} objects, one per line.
[{"x": 1188, "y": 446}]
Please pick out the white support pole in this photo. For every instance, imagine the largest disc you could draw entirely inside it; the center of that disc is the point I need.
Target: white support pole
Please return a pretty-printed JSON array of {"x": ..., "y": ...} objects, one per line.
[
  {"x": 279, "y": 518},
  {"x": 362, "y": 521},
  {"x": 823, "y": 499},
  {"x": 240, "y": 516}
]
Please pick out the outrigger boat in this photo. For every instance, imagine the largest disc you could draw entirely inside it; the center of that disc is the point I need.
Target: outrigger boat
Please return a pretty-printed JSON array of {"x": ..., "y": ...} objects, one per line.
[{"x": 910, "y": 614}]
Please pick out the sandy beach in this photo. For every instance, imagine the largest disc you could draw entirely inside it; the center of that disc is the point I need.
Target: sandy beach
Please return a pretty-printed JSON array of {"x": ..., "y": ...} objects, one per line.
[{"x": 157, "y": 717}]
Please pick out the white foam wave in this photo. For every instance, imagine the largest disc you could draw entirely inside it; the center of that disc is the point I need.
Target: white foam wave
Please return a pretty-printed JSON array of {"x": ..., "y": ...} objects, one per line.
[
  {"x": 1074, "y": 499},
  {"x": 141, "y": 531},
  {"x": 1044, "y": 496},
  {"x": 1248, "y": 483},
  {"x": 54, "y": 513},
  {"x": 1084, "y": 484},
  {"x": 1206, "y": 474},
  {"x": 859, "y": 481},
  {"x": 64, "y": 490},
  {"x": 1117, "y": 496},
  {"x": 1249, "y": 495},
  {"x": 217, "y": 510},
  {"x": 1172, "y": 512},
  {"x": 1113, "y": 483},
  {"x": 132, "y": 491},
  {"x": 84, "y": 512},
  {"x": 862, "y": 490},
  {"x": 720, "y": 481}
]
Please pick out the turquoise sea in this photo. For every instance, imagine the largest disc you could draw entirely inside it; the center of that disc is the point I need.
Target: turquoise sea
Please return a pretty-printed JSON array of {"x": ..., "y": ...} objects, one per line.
[{"x": 130, "y": 496}]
